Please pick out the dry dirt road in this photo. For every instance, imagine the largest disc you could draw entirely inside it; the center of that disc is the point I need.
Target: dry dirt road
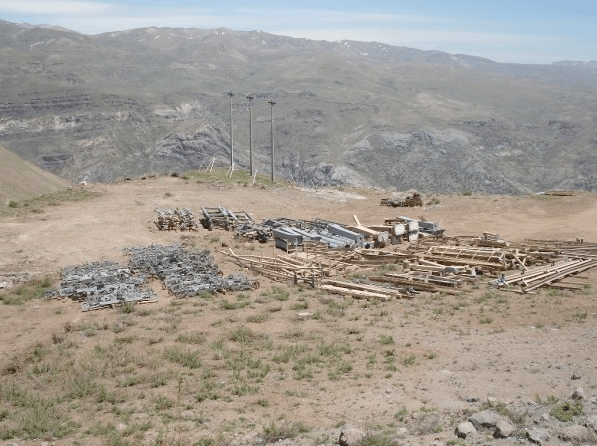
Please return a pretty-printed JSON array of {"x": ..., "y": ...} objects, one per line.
[{"x": 446, "y": 349}]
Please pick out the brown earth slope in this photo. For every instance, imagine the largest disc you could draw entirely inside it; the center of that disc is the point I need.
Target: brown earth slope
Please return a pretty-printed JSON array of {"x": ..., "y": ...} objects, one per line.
[{"x": 19, "y": 179}]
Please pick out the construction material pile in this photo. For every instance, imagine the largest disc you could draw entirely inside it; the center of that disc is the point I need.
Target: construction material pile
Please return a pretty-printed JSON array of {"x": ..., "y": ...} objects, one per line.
[
  {"x": 562, "y": 261},
  {"x": 413, "y": 201},
  {"x": 433, "y": 264},
  {"x": 184, "y": 273},
  {"x": 282, "y": 268},
  {"x": 318, "y": 250},
  {"x": 177, "y": 219},
  {"x": 291, "y": 235},
  {"x": 101, "y": 285},
  {"x": 220, "y": 217}
]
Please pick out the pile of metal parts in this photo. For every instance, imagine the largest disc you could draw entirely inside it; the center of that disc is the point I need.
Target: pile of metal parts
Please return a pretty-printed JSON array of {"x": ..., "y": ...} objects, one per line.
[
  {"x": 220, "y": 217},
  {"x": 177, "y": 219},
  {"x": 101, "y": 285},
  {"x": 291, "y": 235},
  {"x": 184, "y": 273},
  {"x": 413, "y": 227},
  {"x": 316, "y": 251},
  {"x": 413, "y": 201}
]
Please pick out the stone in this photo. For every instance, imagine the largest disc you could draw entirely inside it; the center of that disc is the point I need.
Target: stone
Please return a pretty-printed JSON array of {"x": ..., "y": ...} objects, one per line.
[
  {"x": 485, "y": 418},
  {"x": 351, "y": 436},
  {"x": 591, "y": 422},
  {"x": 538, "y": 435},
  {"x": 465, "y": 429},
  {"x": 575, "y": 375},
  {"x": 503, "y": 429},
  {"x": 472, "y": 399},
  {"x": 577, "y": 434},
  {"x": 578, "y": 394}
]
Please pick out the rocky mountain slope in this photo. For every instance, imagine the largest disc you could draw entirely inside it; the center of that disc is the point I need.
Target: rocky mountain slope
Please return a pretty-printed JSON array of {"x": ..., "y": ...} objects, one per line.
[{"x": 121, "y": 104}]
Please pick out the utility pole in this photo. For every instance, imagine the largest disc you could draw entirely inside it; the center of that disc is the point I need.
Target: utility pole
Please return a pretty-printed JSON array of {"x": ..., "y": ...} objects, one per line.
[
  {"x": 250, "y": 98},
  {"x": 231, "y": 133},
  {"x": 272, "y": 103}
]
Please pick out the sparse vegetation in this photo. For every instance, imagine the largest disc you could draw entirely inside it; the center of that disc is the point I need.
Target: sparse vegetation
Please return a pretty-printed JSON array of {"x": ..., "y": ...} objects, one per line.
[
  {"x": 32, "y": 289},
  {"x": 275, "y": 432},
  {"x": 38, "y": 204},
  {"x": 567, "y": 410},
  {"x": 219, "y": 175}
]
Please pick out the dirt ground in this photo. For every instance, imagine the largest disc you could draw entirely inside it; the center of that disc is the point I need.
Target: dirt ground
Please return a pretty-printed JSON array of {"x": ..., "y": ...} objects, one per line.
[{"x": 447, "y": 349}]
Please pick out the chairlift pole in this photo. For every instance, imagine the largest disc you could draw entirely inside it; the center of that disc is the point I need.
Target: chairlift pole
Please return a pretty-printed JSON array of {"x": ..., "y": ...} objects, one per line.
[
  {"x": 231, "y": 132},
  {"x": 272, "y": 103},
  {"x": 250, "y": 98}
]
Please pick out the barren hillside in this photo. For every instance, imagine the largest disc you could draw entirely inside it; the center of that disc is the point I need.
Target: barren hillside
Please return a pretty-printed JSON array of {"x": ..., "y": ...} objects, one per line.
[{"x": 117, "y": 105}]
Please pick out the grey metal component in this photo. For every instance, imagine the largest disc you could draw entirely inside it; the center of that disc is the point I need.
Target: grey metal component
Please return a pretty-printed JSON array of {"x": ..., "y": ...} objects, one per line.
[
  {"x": 184, "y": 273},
  {"x": 427, "y": 227},
  {"x": 99, "y": 285},
  {"x": 336, "y": 229},
  {"x": 289, "y": 235}
]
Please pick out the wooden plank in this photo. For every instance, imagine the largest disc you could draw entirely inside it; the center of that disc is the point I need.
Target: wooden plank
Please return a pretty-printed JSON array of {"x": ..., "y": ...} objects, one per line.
[
  {"x": 363, "y": 287},
  {"x": 354, "y": 293}
]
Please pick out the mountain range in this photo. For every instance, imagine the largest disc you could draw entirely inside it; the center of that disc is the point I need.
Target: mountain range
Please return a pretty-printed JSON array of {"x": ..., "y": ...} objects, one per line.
[{"x": 154, "y": 100}]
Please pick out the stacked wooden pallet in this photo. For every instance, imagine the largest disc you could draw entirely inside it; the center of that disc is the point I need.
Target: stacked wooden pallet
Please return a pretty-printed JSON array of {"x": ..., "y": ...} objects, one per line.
[
  {"x": 484, "y": 259},
  {"x": 224, "y": 218},
  {"x": 282, "y": 268}
]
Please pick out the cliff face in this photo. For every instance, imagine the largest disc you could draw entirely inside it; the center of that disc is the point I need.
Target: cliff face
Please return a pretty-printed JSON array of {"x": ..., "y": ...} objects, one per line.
[{"x": 97, "y": 108}]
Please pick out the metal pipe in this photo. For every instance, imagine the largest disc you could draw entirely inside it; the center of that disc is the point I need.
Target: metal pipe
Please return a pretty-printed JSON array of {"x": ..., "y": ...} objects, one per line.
[
  {"x": 250, "y": 98},
  {"x": 272, "y": 103},
  {"x": 231, "y": 132}
]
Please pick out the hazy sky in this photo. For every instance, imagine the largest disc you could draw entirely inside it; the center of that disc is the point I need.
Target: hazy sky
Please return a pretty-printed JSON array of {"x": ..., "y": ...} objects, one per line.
[{"x": 525, "y": 31}]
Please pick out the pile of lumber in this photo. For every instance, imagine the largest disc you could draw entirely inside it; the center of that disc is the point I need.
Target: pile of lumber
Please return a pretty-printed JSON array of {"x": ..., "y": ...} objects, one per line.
[
  {"x": 485, "y": 259},
  {"x": 283, "y": 268},
  {"x": 429, "y": 277},
  {"x": 551, "y": 276},
  {"x": 364, "y": 291}
]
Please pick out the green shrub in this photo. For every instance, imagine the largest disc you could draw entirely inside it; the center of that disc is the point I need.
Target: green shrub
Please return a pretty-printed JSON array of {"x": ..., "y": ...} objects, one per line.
[
  {"x": 566, "y": 411},
  {"x": 409, "y": 360},
  {"x": 183, "y": 357},
  {"x": 273, "y": 433},
  {"x": 386, "y": 340},
  {"x": 280, "y": 294}
]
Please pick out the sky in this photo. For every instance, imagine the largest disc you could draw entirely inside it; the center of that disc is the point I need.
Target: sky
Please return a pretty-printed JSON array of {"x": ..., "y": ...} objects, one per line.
[{"x": 516, "y": 31}]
